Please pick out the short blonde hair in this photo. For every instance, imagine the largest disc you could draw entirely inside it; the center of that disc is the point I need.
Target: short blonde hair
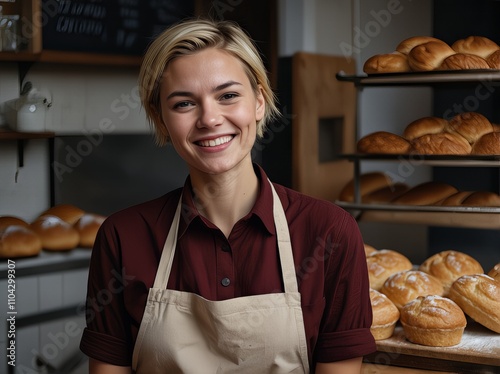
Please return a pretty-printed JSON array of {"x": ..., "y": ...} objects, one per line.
[{"x": 189, "y": 37}]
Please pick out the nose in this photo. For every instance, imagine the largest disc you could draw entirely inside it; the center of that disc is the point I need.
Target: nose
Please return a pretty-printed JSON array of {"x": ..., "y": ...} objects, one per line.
[{"x": 210, "y": 115}]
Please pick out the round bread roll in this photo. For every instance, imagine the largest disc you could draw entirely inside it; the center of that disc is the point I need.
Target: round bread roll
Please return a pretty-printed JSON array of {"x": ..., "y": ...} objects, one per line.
[
  {"x": 368, "y": 182},
  {"x": 488, "y": 144},
  {"x": 385, "y": 315},
  {"x": 482, "y": 198},
  {"x": 383, "y": 142},
  {"x": 456, "y": 199},
  {"x": 429, "y": 56},
  {"x": 495, "y": 272},
  {"x": 433, "y": 321},
  {"x": 408, "y": 44},
  {"x": 479, "y": 297},
  {"x": 369, "y": 249},
  {"x": 493, "y": 60},
  {"x": 19, "y": 241},
  {"x": 428, "y": 193},
  {"x": 385, "y": 194},
  {"x": 424, "y": 126},
  {"x": 386, "y": 63},
  {"x": 463, "y": 61},
  {"x": 470, "y": 125},
  {"x": 87, "y": 227},
  {"x": 407, "y": 285},
  {"x": 67, "y": 212},
  {"x": 383, "y": 263},
  {"x": 56, "y": 234},
  {"x": 496, "y": 127},
  {"x": 475, "y": 45},
  {"x": 441, "y": 144},
  {"x": 6, "y": 221},
  {"x": 448, "y": 266}
]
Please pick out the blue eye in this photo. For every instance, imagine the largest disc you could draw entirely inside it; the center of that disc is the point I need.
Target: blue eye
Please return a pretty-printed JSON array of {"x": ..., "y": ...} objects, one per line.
[{"x": 182, "y": 104}]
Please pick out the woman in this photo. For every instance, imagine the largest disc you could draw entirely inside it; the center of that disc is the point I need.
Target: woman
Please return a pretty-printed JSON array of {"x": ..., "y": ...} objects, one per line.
[{"x": 231, "y": 273}]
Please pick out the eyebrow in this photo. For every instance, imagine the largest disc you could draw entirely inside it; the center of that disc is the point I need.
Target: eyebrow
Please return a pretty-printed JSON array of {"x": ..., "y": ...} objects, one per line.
[{"x": 220, "y": 87}]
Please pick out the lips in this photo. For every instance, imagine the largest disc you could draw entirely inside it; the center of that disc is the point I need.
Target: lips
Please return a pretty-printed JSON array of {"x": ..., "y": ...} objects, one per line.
[{"x": 215, "y": 142}]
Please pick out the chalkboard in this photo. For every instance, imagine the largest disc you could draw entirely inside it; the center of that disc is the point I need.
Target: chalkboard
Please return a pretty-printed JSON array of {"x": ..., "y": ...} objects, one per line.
[{"x": 108, "y": 26}]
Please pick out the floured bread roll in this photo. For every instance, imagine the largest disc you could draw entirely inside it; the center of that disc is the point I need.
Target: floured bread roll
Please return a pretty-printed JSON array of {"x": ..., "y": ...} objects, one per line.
[
  {"x": 488, "y": 144},
  {"x": 424, "y": 126},
  {"x": 87, "y": 227},
  {"x": 407, "y": 285},
  {"x": 67, "y": 212},
  {"x": 448, "y": 266},
  {"x": 383, "y": 263},
  {"x": 463, "y": 61},
  {"x": 433, "y": 321},
  {"x": 385, "y": 315},
  {"x": 55, "y": 233},
  {"x": 368, "y": 182},
  {"x": 428, "y": 193},
  {"x": 470, "y": 125},
  {"x": 476, "y": 45},
  {"x": 495, "y": 272},
  {"x": 479, "y": 297},
  {"x": 429, "y": 56},
  {"x": 493, "y": 60},
  {"x": 441, "y": 144},
  {"x": 6, "y": 221},
  {"x": 383, "y": 142},
  {"x": 369, "y": 249},
  {"x": 386, "y": 63},
  {"x": 408, "y": 44},
  {"x": 19, "y": 241}
]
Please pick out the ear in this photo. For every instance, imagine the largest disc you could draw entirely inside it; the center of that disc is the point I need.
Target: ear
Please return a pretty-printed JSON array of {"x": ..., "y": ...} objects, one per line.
[{"x": 260, "y": 105}]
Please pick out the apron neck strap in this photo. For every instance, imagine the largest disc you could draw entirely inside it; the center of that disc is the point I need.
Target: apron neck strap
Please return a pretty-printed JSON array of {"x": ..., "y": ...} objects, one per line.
[{"x": 283, "y": 242}]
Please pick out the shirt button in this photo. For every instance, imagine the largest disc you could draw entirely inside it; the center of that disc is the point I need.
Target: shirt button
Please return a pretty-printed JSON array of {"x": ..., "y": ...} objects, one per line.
[
  {"x": 225, "y": 282},
  {"x": 226, "y": 248}
]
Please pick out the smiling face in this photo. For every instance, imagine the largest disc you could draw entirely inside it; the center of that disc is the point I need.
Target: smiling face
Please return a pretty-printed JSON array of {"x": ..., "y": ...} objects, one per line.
[{"x": 210, "y": 110}]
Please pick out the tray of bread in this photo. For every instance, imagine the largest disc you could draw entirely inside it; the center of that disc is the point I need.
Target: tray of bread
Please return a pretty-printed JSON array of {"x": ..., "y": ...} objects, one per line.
[
  {"x": 425, "y": 59},
  {"x": 60, "y": 228},
  {"x": 446, "y": 308}
]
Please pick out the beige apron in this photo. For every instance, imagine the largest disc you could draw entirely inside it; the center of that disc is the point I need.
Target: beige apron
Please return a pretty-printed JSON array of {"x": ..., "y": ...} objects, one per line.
[{"x": 182, "y": 332}]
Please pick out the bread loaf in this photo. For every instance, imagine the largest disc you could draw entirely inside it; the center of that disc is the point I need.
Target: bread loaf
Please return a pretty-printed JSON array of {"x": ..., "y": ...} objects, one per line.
[
  {"x": 385, "y": 315},
  {"x": 462, "y": 61},
  {"x": 479, "y": 297},
  {"x": 369, "y": 249},
  {"x": 470, "y": 125},
  {"x": 6, "y": 221},
  {"x": 495, "y": 272},
  {"x": 448, "y": 266},
  {"x": 368, "y": 182},
  {"x": 383, "y": 142},
  {"x": 488, "y": 144},
  {"x": 386, "y": 63},
  {"x": 55, "y": 233},
  {"x": 493, "y": 60},
  {"x": 429, "y": 56},
  {"x": 456, "y": 199},
  {"x": 19, "y": 241},
  {"x": 441, "y": 144},
  {"x": 428, "y": 193},
  {"x": 433, "y": 321},
  {"x": 482, "y": 198},
  {"x": 385, "y": 195},
  {"x": 407, "y": 285},
  {"x": 87, "y": 227},
  {"x": 383, "y": 263},
  {"x": 67, "y": 212},
  {"x": 475, "y": 45},
  {"x": 408, "y": 44},
  {"x": 424, "y": 126}
]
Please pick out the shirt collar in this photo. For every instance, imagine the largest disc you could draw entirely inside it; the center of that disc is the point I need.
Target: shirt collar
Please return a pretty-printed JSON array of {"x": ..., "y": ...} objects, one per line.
[{"x": 261, "y": 210}]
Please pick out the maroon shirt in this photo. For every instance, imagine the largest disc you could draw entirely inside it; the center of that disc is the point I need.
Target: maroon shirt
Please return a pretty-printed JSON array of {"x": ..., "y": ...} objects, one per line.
[{"x": 327, "y": 249}]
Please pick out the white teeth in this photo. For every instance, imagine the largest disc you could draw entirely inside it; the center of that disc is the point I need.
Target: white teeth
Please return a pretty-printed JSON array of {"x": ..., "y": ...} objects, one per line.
[{"x": 215, "y": 142}]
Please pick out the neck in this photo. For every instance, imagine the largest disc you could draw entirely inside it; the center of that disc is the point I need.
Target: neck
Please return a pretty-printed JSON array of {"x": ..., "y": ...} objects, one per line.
[{"x": 225, "y": 198}]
